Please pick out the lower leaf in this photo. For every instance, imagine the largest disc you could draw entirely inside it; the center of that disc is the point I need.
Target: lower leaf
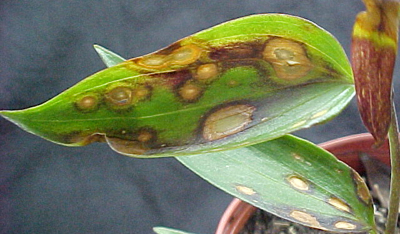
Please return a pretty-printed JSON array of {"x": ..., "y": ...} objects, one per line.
[{"x": 293, "y": 179}]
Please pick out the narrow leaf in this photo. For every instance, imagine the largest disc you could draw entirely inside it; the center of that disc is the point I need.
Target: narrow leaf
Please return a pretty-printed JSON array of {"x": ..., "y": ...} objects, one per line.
[
  {"x": 163, "y": 230},
  {"x": 293, "y": 179},
  {"x": 239, "y": 83},
  {"x": 374, "y": 49},
  {"x": 108, "y": 57}
]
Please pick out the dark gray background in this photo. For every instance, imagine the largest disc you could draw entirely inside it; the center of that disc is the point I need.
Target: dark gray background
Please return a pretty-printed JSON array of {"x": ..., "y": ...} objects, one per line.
[{"x": 46, "y": 47}]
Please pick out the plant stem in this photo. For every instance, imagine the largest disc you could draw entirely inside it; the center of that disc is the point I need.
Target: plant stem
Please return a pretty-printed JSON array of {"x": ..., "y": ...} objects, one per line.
[{"x": 393, "y": 214}]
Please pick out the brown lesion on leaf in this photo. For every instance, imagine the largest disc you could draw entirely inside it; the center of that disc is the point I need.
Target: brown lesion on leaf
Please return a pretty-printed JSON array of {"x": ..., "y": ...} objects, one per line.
[
  {"x": 226, "y": 121},
  {"x": 305, "y": 218},
  {"x": 127, "y": 147},
  {"x": 288, "y": 58},
  {"x": 237, "y": 51},
  {"x": 298, "y": 182},
  {"x": 206, "y": 72},
  {"x": 344, "y": 225},
  {"x": 137, "y": 142},
  {"x": 81, "y": 139},
  {"x": 175, "y": 54},
  {"x": 339, "y": 204},
  {"x": 190, "y": 91},
  {"x": 87, "y": 102},
  {"x": 119, "y": 96},
  {"x": 361, "y": 189}
]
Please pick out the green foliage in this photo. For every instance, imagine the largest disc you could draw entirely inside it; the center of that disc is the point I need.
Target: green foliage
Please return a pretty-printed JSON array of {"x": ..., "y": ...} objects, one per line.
[
  {"x": 163, "y": 230},
  {"x": 239, "y": 83},
  {"x": 108, "y": 57},
  {"x": 293, "y": 179}
]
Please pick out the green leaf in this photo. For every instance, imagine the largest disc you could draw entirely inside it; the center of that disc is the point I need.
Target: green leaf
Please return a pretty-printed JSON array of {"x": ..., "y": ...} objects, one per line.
[
  {"x": 163, "y": 230},
  {"x": 108, "y": 57},
  {"x": 293, "y": 179},
  {"x": 236, "y": 84}
]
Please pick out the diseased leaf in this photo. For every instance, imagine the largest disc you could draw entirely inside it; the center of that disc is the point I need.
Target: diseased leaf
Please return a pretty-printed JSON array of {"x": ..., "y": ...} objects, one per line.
[
  {"x": 374, "y": 49},
  {"x": 163, "y": 230},
  {"x": 109, "y": 58},
  {"x": 293, "y": 179},
  {"x": 239, "y": 83}
]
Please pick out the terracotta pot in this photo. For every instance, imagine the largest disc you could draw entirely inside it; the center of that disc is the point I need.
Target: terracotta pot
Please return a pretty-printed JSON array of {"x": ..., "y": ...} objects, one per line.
[{"x": 346, "y": 149}]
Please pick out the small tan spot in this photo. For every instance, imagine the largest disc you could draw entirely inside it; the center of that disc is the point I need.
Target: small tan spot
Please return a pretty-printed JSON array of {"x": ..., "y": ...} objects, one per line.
[
  {"x": 296, "y": 125},
  {"x": 297, "y": 157},
  {"x": 319, "y": 114},
  {"x": 145, "y": 136},
  {"x": 190, "y": 92},
  {"x": 141, "y": 92},
  {"x": 288, "y": 58},
  {"x": 126, "y": 147},
  {"x": 245, "y": 190},
  {"x": 87, "y": 102},
  {"x": 340, "y": 171},
  {"x": 185, "y": 55},
  {"x": 227, "y": 121},
  {"x": 153, "y": 61},
  {"x": 362, "y": 189},
  {"x": 206, "y": 71},
  {"x": 299, "y": 183},
  {"x": 345, "y": 225},
  {"x": 233, "y": 83},
  {"x": 339, "y": 204},
  {"x": 120, "y": 96},
  {"x": 305, "y": 218}
]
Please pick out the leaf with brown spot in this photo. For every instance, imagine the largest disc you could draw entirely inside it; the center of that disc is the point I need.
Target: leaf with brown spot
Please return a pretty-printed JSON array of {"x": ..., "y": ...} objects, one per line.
[
  {"x": 239, "y": 83},
  {"x": 374, "y": 49},
  {"x": 293, "y": 179}
]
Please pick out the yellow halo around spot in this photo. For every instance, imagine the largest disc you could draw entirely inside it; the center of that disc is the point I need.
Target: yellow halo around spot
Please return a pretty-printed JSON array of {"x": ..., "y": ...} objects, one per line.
[{"x": 185, "y": 55}]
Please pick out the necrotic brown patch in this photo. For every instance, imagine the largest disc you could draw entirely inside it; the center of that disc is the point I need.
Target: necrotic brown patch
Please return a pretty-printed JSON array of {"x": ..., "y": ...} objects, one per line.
[
  {"x": 288, "y": 58},
  {"x": 87, "y": 103},
  {"x": 185, "y": 55},
  {"x": 126, "y": 147},
  {"x": 339, "y": 204},
  {"x": 298, "y": 182},
  {"x": 227, "y": 121},
  {"x": 206, "y": 72},
  {"x": 153, "y": 61},
  {"x": 120, "y": 96},
  {"x": 345, "y": 225},
  {"x": 362, "y": 189},
  {"x": 305, "y": 218},
  {"x": 190, "y": 92}
]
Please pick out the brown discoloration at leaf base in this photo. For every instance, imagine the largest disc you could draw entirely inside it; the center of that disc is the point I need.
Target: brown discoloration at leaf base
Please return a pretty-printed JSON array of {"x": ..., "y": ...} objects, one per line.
[{"x": 373, "y": 71}]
